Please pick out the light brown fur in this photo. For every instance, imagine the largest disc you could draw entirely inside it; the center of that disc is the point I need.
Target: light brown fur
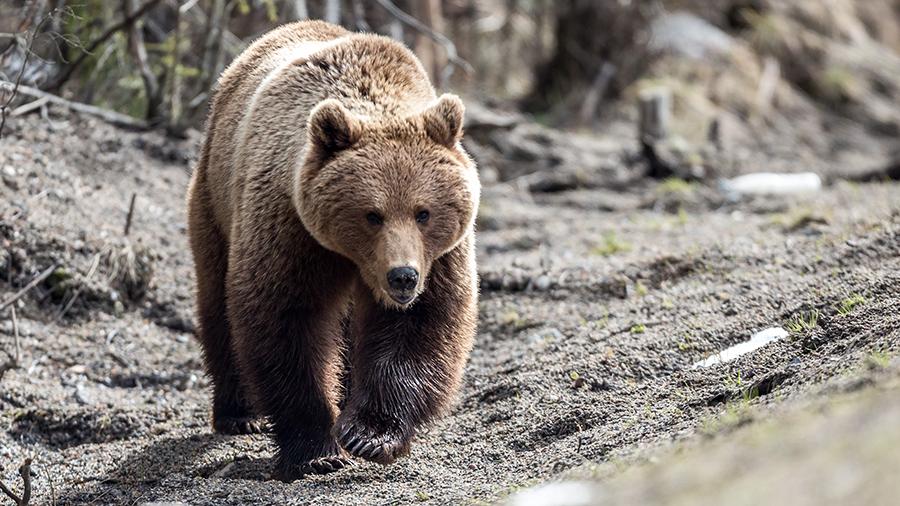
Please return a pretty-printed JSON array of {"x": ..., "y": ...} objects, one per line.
[{"x": 314, "y": 132}]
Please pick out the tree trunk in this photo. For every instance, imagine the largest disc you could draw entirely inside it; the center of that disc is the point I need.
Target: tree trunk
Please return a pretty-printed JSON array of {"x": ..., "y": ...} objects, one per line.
[
  {"x": 432, "y": 55},
  {"x": 297, "y": 10},
  {"x": 152, "y": 89},
  {"x": 590, "y": 34},
  {"x": 333, "y": 11},
  {"x": 212, "y": 47}
]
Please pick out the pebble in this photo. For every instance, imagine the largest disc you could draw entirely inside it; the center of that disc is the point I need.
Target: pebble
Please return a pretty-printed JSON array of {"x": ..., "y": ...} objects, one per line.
[{"x": 542, "y": 283}]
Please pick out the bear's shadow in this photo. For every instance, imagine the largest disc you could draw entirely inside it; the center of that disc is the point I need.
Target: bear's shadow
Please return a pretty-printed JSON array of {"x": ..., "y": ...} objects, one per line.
[{"x": 178, "y": 456}]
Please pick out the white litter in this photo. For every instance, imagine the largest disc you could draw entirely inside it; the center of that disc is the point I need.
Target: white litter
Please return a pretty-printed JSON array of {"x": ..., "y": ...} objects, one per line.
[
  {"x": 571, "y": 493},
  {"x": 771, "y": 183},
  {"x": 756, "y": 342}
]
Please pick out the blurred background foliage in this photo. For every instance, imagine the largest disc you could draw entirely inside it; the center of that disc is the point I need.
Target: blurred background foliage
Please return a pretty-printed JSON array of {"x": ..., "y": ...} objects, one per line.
[{"x": 566, "y": 62}]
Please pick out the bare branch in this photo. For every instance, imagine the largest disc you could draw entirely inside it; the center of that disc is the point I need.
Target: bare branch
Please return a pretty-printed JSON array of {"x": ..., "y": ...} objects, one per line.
[
  {"x": 15, "y": 89},
  {"x": 125, "y": 23},
  {"x": 439, "y": 38},
  {"x": 111, "y": 117}
]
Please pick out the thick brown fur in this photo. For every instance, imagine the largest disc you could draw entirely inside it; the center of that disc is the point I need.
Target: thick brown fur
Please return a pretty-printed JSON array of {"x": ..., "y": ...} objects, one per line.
[{"x": 328, "y": 162}]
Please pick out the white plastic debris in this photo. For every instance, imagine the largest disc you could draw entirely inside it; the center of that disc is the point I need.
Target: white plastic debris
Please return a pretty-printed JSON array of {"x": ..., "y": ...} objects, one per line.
[
  {"x": 771, "y": 183},
  {"x": 756, "y": 342},
  {"x": 689, "y": 35},
  {"x": 571, "y": 493}
]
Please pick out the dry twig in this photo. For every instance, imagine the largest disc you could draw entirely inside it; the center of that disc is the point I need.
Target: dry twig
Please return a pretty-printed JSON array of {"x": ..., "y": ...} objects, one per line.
[
  {"x": 447, "y": 44},
  {"x": 33, "y": 283},
  {"x": 130, "y": 214},
  {"x": 25, "y": 473}
]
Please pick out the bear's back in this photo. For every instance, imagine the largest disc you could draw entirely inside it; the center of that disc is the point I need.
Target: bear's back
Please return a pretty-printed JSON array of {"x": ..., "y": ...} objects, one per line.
[{"x": 257, "y": 127}]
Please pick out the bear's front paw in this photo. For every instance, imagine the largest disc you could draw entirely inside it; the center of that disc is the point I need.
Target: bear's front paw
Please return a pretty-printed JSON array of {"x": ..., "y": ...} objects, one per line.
[
  {"x": 365, "y": 442},
  {"x": 321, "y": 465}
]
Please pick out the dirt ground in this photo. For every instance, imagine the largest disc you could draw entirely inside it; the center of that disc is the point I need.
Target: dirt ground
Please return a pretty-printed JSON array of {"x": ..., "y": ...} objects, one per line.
[{"x": 597, "y": 299}]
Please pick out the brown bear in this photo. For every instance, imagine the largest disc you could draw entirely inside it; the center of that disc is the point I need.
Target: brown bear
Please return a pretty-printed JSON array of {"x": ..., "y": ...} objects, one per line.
[{"x": 331, "y": 217}]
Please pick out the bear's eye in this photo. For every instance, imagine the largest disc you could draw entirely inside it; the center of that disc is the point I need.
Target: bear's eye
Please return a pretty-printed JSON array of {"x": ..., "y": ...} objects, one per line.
[
  {"x": 374, "y": 218},
  {"x": 422, "y": 216}
]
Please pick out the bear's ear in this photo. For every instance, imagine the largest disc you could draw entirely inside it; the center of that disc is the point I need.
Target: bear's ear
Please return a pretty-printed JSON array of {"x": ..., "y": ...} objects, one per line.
[
  {"x": 444, "y": 120},
  {"x": 332, "y": 128}
]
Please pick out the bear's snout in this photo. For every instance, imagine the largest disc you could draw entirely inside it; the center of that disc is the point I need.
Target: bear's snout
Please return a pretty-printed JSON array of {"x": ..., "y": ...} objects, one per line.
[{"x": 403, "y": 282}]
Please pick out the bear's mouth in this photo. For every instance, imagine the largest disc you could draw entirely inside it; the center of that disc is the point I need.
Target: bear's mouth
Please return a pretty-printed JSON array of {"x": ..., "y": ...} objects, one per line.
[{"x": 402, "y": 298}]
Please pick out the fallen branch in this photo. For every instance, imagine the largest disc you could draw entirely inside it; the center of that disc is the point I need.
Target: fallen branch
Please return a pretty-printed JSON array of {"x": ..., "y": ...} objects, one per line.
[
  {"x": 25, "y": 473},
  {"x": 30, "y": 106},
  {"x": 441, "y": 39},
  {"x": 125, "y": 23},
  {"x": 111, "y": 117},
  {"x": 34, "y": 282}
]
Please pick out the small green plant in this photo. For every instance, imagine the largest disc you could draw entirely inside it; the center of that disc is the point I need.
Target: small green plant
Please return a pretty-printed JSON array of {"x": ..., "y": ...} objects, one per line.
[
  {"x": 877, "y": 360},
  {"x": 675, "y": 185},
  {"x": 849, "y": 304},
  {"x": 611, "y": 245},
  {"x": 686, "y": 343},
  {"x": 638, "y": 328},
  {"x": 838, "y": 84},
  {"x": 734, "y": 381},
  {"x": 422, "y": 496},
  {"x": 803, "y": 322},
  {"x": 640, "y": 289},
  {"x": 737, "y": 413}
]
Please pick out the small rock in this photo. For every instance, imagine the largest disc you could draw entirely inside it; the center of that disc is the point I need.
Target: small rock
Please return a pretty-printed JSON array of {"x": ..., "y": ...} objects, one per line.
[
  {"x": 82, "y": 396},
  {"x": 10, "y": 182},
  {"x": 542, "y": 283}
]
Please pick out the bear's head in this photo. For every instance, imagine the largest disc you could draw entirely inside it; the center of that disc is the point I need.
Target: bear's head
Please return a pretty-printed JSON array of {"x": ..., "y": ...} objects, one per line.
[{"x": 392, "y": 196}]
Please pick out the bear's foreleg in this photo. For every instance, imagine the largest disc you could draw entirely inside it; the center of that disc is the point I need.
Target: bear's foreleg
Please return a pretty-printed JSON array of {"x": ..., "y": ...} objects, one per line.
[
  {"x": 284, "y": 309},
  {"x": 406, "y": 365}
]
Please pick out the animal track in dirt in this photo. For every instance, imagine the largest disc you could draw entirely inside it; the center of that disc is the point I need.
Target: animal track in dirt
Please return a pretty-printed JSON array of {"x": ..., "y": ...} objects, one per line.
[{"x": 557, "y": 429}]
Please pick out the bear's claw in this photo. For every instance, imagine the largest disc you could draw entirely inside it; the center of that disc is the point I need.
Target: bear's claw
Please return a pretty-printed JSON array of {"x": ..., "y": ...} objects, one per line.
[
  {"x": 239, "y": 425},
  {"x": 321, "y": 465},
  {"x": 367, "y": 444},
  {"x": 325, "y": 465}
]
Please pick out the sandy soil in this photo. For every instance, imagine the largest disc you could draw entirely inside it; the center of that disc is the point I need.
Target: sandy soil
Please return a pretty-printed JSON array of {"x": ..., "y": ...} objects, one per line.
[{"x": 596, "y": 301}]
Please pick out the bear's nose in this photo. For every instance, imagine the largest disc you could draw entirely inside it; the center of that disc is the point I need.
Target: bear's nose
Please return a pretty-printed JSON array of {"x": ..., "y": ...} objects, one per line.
[{"x": 403, "y": 278}]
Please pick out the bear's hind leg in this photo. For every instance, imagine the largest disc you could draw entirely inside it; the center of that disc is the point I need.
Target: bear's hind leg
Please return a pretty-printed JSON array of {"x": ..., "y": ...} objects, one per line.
[{"x": 231, "y": 411}]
